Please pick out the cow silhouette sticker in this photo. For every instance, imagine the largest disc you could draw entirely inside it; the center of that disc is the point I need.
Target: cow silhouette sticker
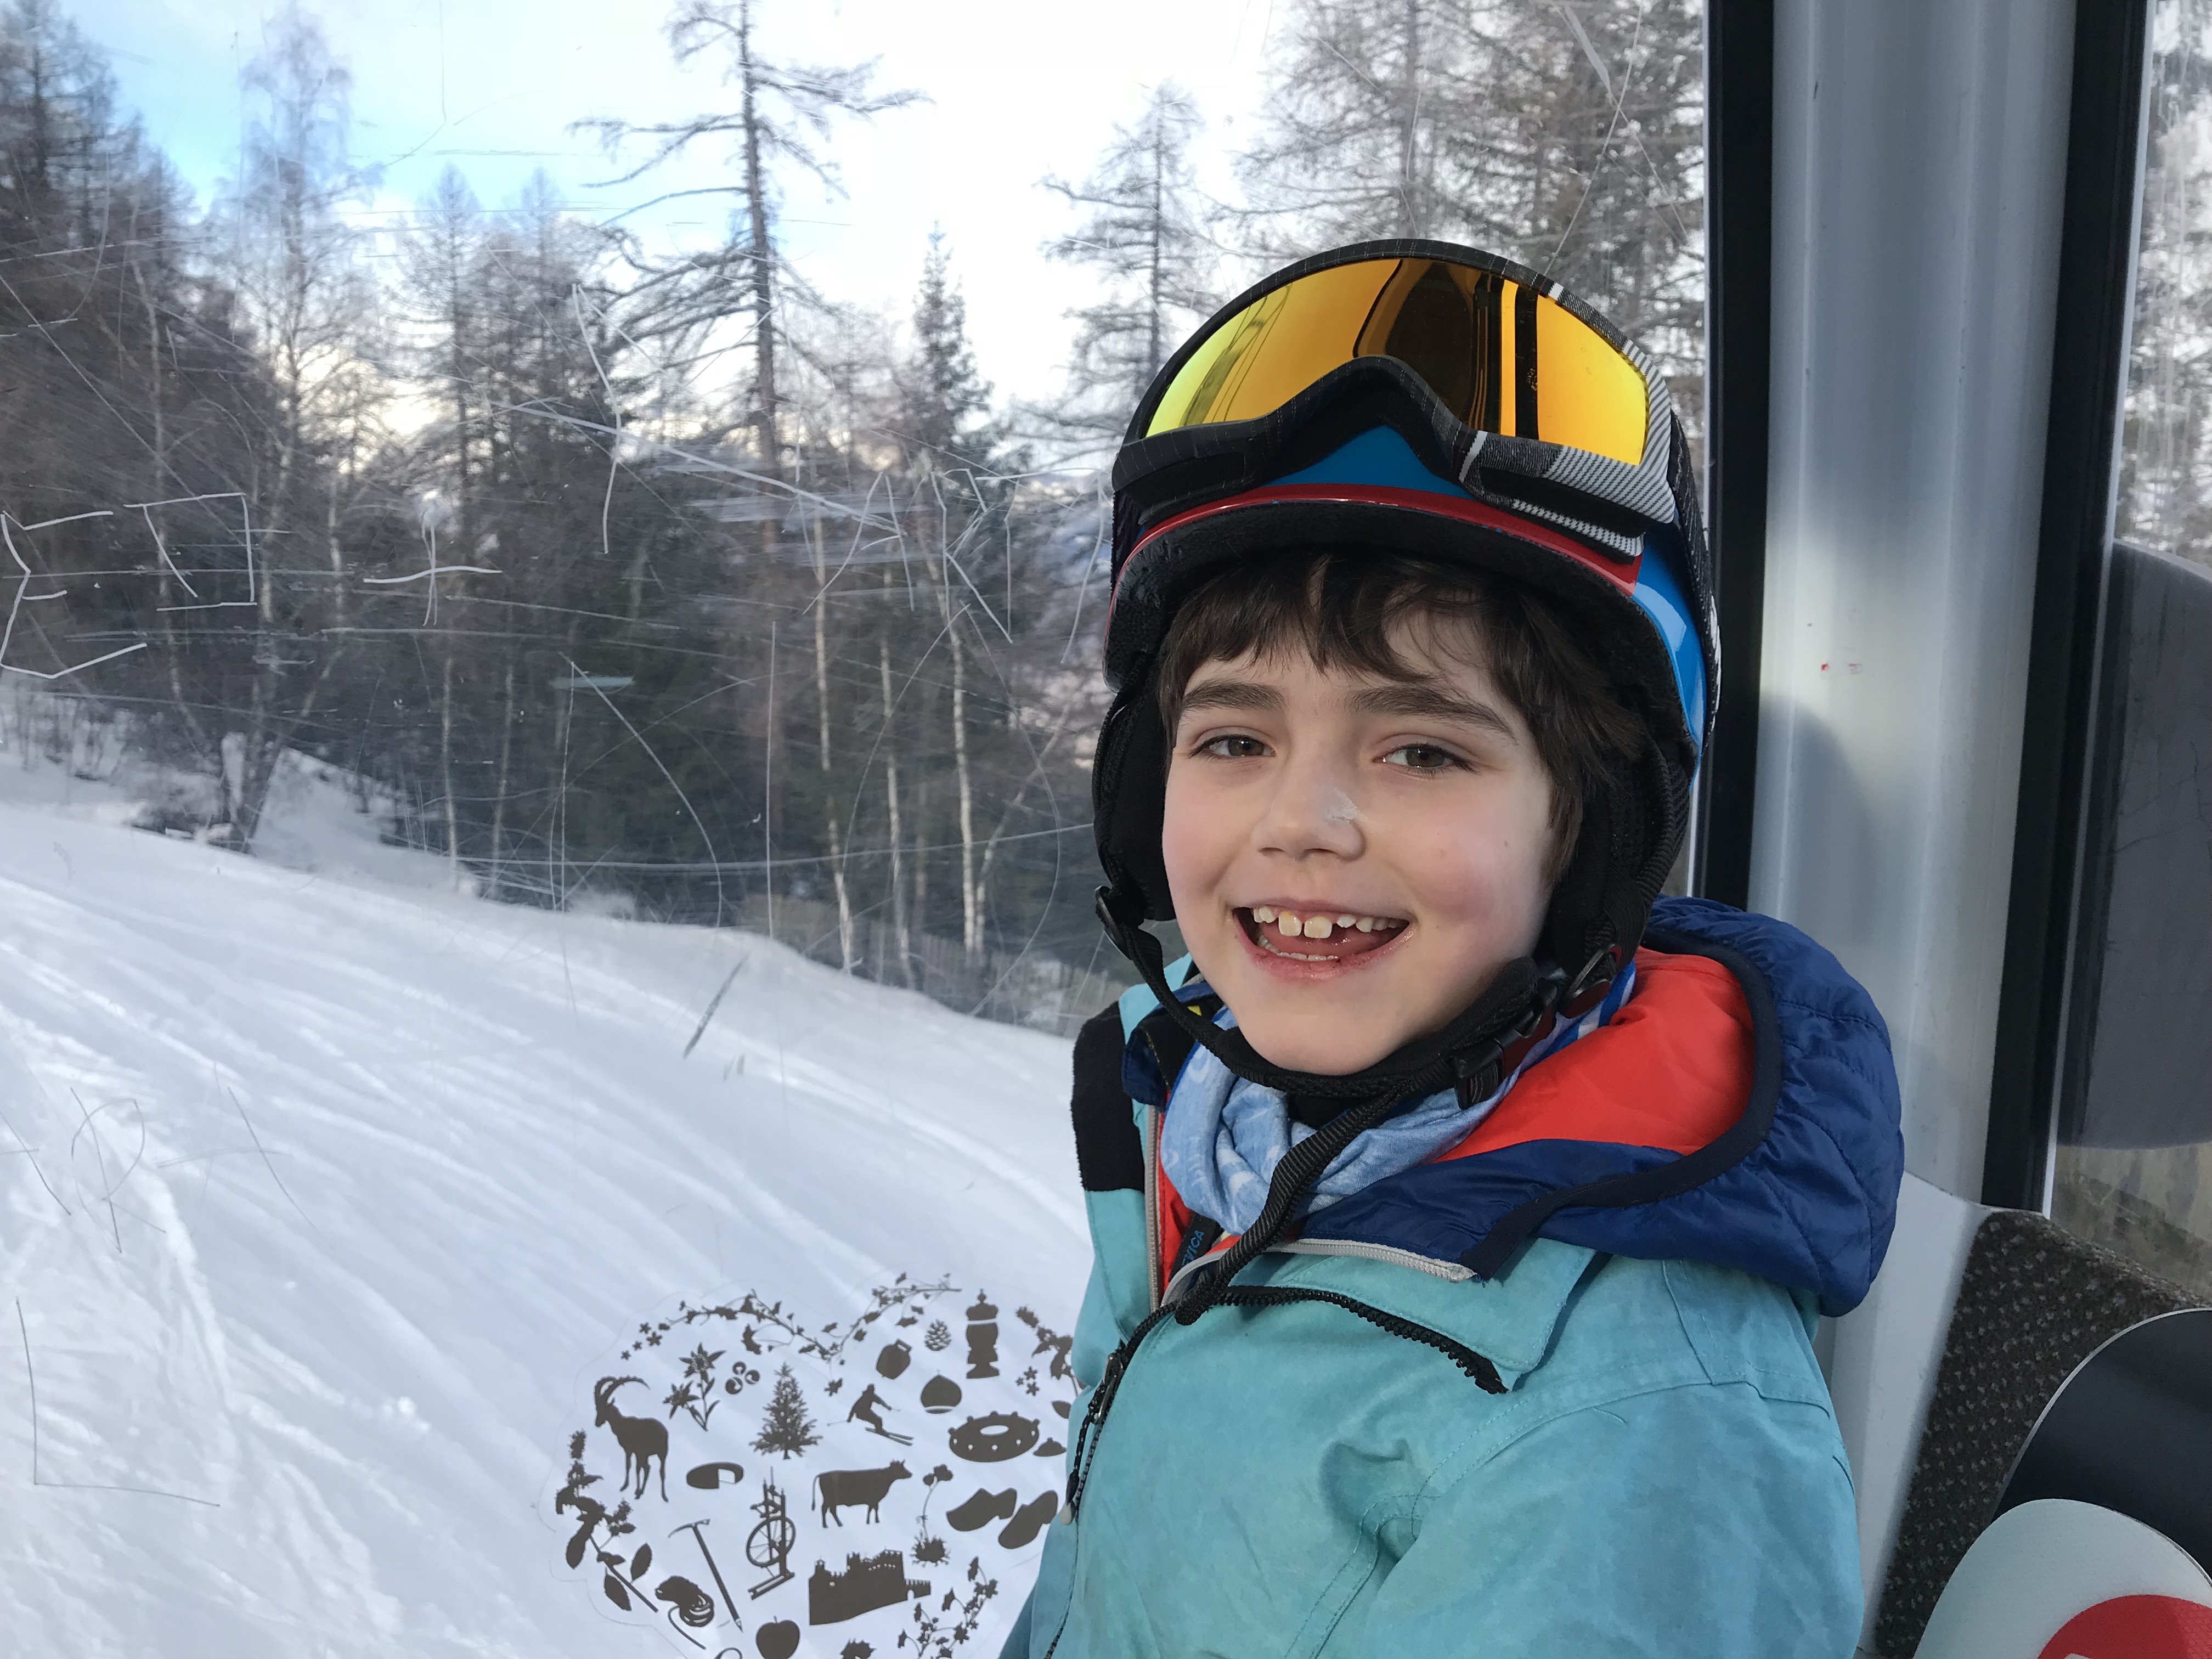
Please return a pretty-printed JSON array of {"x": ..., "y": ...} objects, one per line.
[
  {"x": 776, "y": 1421},
  {"x": 836, "y": 1489}
]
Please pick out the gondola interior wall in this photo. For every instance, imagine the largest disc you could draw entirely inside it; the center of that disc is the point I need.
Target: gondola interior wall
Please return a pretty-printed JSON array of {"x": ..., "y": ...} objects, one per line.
[{"x": 1904, "y": 456}]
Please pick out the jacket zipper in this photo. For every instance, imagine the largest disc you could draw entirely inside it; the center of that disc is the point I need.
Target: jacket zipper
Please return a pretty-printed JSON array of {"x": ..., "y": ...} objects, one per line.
[
  {"x": 1478, "y": 1368},
  {"x": 1150, "y": 1136}
]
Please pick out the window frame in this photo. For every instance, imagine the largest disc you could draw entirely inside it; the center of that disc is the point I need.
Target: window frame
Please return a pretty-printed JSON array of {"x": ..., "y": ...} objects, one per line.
[{"x": 2041, "y": 1021}]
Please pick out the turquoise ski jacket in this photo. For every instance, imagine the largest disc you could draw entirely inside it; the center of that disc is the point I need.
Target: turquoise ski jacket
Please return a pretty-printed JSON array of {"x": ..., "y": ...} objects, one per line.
[{"x": 1553, "y": 1393}]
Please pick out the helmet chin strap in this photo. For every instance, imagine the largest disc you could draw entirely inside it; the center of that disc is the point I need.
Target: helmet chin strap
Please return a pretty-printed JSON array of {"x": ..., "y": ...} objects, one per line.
[{"x": 1465, "y": 1055}]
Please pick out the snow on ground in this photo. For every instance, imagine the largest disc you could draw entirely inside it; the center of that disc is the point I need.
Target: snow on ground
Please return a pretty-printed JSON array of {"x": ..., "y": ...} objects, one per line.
[{"x": 325, "y": 1194}]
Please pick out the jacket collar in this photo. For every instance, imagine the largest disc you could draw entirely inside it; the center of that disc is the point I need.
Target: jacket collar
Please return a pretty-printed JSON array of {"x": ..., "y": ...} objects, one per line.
[{"x": 1742, "y": 1110}]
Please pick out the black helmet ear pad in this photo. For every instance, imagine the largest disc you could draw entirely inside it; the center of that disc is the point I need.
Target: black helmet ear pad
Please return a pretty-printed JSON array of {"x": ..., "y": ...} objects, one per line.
[
  {"x": 1128, "y": 795},
  {"x": 1631, "y": 830}
]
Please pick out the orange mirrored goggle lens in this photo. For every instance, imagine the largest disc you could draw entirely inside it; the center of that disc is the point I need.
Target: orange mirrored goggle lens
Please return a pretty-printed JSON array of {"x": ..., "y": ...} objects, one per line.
[{"x": 1502, "y": 357}]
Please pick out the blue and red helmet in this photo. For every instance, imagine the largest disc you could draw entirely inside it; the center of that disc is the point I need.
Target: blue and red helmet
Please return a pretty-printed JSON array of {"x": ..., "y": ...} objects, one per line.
[{"x": 1429, "y": 400}]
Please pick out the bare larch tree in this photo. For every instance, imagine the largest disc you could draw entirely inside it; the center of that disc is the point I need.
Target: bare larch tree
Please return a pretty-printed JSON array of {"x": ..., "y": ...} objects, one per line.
[{"x": 784, "y": 111}]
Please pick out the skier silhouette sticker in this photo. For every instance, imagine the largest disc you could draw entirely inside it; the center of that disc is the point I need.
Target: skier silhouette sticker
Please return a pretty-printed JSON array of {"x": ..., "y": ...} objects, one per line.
[
  {"x": 869, "y": 1409},
  {"x": 790, "y": 1532}
]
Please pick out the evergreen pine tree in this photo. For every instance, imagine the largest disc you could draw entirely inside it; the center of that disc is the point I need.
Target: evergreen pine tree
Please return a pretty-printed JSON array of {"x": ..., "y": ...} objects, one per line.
[
  {"x": 960, "y": 492},
  {"x": 946, "y": 397},
  {"x": 786, "y": 1428}
]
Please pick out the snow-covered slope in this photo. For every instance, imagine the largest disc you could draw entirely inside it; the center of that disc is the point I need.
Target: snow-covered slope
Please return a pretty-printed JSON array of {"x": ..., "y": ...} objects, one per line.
[{"x": 324, "y": 1199}]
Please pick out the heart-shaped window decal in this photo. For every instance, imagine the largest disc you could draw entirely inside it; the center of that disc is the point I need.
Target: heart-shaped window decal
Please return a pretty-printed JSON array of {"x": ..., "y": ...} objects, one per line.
[{"x": 818, "y": 1470}]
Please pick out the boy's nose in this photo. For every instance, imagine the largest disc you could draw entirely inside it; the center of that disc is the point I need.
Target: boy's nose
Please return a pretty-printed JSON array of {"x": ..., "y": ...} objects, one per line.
[{"x": 1310, "y": 811}]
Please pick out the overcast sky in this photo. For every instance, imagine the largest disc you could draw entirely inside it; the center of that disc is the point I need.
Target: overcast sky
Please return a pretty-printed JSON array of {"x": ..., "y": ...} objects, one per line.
[{"x": 1018, "y": 89}]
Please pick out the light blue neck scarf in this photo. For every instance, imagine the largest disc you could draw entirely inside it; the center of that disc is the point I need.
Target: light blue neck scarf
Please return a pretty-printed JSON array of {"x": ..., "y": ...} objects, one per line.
[{"x": 1224, "y": 1136}]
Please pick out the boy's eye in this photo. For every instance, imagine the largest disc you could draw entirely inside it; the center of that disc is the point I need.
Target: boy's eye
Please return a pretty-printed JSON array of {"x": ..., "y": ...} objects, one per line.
[
  {"x": 1422, "y": 757},
  {"x": 1233, "y": 747}
]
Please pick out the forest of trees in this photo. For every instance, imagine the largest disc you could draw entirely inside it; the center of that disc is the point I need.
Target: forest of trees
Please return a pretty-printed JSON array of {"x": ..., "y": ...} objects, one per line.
[
  {"x": 2165, "y": 486},
  {"x": 670, "y": 579}
]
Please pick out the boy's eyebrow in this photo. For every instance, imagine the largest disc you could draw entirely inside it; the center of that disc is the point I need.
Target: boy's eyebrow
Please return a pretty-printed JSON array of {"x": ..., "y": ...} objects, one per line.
[
  {"x": 1432, "y": 702},
  {"x": 1233, "y": 694}
]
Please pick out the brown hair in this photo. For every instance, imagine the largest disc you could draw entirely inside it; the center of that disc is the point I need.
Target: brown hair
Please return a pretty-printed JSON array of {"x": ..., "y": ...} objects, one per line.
[{"x": 1349, "y": 609}]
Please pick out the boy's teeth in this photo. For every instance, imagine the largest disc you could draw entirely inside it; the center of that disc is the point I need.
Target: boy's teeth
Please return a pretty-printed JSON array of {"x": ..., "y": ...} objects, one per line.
[{"x": 1291, "y": 924}]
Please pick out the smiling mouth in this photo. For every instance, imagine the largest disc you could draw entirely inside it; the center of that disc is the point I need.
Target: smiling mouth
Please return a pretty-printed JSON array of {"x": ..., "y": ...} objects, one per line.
[{"x": 1321, "y": 936}]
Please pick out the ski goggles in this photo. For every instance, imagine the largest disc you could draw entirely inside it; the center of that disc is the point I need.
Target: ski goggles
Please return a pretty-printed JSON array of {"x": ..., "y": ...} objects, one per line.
[{"x": 1555, "y": 414}]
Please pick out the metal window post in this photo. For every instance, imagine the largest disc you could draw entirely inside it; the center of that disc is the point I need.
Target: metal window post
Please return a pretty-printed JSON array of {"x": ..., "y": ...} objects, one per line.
[{"x": 1919, "y": 159}]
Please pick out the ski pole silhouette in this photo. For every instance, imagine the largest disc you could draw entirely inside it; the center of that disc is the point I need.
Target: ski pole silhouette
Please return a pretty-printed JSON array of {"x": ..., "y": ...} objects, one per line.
[
  {"x": 869, "y": 1409},
  {"x": 700, "y": 1538}
]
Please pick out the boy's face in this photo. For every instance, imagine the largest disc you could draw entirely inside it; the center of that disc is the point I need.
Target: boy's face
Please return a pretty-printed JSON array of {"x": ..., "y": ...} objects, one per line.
[{"x": 1420, "y": 813}]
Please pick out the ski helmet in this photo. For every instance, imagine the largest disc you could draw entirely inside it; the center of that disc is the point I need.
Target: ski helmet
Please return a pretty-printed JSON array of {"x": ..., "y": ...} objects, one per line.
[{"x": 1427, "y": 398}]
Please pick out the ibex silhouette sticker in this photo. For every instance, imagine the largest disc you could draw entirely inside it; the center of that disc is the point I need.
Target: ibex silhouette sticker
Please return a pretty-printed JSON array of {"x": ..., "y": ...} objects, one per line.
[{"x": 642, "y": 1439}]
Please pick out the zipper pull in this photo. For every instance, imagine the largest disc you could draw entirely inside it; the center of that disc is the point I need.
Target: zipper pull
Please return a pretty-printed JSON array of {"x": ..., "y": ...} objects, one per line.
[
  {"x": 1116, "y": 1363},
  {"x": 1192, "y": 1297}
]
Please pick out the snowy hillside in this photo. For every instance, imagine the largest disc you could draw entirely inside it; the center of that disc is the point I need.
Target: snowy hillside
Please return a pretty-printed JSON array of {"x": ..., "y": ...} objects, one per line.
[{"x": 327, "y": 1198}]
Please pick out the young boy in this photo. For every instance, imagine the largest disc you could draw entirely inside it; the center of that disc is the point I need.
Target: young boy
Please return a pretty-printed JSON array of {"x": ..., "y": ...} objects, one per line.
[{"x": 1461, "y": 1209}]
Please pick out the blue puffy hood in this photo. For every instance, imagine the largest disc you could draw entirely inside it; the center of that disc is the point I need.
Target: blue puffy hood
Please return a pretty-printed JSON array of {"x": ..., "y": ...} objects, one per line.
[{"x": 1801, "y": 1189}]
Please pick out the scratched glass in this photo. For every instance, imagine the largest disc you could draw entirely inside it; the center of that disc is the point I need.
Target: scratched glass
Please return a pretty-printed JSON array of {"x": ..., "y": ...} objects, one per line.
[
  {"x": 2134, "y": 1166},
  {"x": 551, "y": 573}
]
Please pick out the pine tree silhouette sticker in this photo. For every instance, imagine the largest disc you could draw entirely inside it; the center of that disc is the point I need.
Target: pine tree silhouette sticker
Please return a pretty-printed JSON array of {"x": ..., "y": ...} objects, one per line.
[{"x": 786, "y": 1428}]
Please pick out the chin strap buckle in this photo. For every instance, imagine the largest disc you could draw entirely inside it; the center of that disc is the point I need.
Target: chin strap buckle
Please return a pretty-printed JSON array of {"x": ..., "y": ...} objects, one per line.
[
  {"x": 1474, "y": 1075},
  {"x": 1609, "y": 954},
  {"x": 1477, "y": 1071},
  {"x": 1110, "y": 918},
  {"x": 1124, "y": 922}
]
